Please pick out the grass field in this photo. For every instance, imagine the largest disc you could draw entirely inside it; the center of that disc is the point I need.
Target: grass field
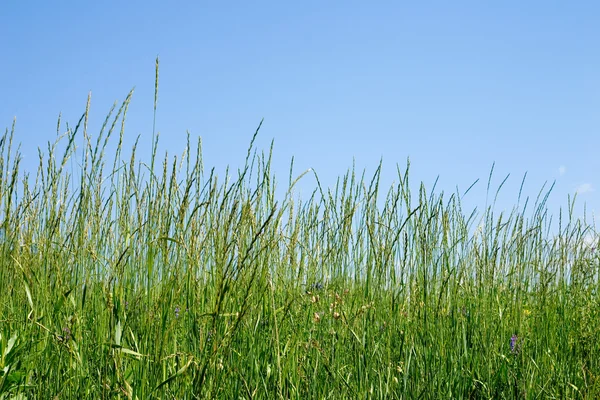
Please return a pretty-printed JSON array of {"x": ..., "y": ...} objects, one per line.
[{"x": 117, "y": 282}]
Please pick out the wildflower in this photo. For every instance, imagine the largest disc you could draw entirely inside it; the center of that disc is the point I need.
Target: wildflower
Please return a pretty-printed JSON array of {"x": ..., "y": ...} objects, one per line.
[
  {"x": 514, "y": 344},
  {"x": 176, "y": 312},
  {"x": 66, "y": 336},
  {"x": 315, "y": 287},
  {"x": 336, "y": 315}
]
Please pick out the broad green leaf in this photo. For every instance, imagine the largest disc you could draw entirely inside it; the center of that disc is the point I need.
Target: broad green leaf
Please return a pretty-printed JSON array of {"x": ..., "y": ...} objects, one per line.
[{"x": 118, "y": 333}]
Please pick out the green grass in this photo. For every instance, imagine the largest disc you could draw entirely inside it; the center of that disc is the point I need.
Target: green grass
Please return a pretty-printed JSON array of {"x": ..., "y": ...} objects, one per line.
[{"x": 129, "y": 279}]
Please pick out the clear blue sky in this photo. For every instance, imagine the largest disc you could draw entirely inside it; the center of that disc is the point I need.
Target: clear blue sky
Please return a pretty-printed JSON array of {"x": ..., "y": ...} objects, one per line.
[{"x": 455, "y": 86}]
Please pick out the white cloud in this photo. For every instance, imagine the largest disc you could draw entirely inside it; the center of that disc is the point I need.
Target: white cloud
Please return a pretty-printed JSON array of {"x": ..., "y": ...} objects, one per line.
[
  {"x": 584, "y": 188},
  {"x": 562, "y": 170}
]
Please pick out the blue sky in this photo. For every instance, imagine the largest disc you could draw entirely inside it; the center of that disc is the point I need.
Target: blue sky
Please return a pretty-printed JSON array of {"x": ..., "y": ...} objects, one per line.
[{"x": 455, "y": 86}]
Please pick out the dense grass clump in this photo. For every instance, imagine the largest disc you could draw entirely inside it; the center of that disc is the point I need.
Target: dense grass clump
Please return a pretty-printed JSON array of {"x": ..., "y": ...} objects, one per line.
[{"x": 125, "y": 279}]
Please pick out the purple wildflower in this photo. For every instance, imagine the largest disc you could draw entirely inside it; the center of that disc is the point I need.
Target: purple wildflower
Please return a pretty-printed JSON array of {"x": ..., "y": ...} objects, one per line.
[
  {"x": 514, "y": 344},
  {"x": 316, "y": 286},
  {"x": 176, "y": 312},
  {"x": 66, "y": 336}
]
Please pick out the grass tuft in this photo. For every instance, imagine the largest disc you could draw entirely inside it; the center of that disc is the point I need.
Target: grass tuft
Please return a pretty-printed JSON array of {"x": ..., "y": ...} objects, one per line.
[{"x": 160, "y": 280}]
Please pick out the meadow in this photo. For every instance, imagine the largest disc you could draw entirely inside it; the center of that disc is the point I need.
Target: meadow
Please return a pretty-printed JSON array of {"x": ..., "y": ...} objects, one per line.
[{"x": 141, "y": 279}]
